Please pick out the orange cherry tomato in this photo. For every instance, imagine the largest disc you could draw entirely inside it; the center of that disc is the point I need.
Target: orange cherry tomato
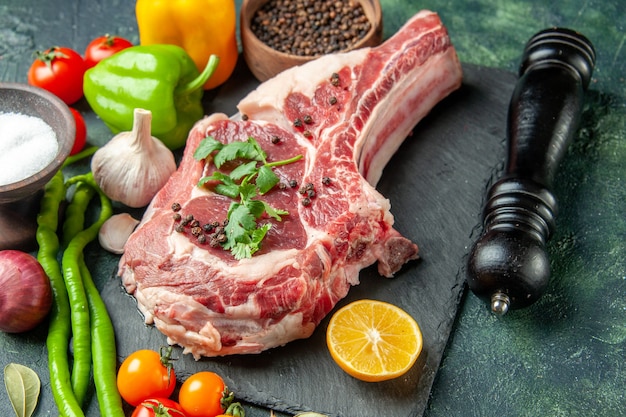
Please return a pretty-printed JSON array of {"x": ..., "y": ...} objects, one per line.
[
  {"x": 201, "y": 395},
  {"x": 146, "y": 374}
]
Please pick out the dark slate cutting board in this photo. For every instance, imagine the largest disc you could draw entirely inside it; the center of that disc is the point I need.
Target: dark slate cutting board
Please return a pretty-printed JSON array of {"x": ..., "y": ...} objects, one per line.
[{"x": 436, "y": 184}]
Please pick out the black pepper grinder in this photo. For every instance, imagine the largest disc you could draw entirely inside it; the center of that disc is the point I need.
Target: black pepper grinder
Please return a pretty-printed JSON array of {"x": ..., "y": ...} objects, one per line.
[{"x": 508, "y": 265}]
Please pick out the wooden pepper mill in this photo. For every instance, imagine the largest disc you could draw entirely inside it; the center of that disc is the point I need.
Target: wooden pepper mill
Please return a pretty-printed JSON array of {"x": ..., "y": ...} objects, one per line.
[{"x": 508, "y": 265}]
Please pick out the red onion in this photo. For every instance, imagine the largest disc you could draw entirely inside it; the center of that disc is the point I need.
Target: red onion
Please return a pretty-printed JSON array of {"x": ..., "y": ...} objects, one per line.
[{"x": 25, "y": 292}]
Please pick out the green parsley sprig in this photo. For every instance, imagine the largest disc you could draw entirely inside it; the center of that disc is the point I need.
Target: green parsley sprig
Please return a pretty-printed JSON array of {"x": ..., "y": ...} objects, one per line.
[{"x": 252, "y": 178}]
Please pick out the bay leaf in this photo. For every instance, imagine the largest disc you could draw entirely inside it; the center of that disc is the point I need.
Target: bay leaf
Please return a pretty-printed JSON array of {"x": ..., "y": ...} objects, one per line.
[{"x": 23, "y": 386}]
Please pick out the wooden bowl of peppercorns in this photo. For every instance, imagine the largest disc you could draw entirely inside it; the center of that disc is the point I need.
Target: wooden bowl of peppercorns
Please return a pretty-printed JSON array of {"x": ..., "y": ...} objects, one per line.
[{"x": 280, "y": 34}]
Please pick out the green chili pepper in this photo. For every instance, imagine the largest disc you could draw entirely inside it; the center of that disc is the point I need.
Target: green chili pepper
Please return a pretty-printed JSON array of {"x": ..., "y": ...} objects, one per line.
[
  {"x": 57, "y": 341},
  {"x": 80, "y": 317},
  {"x": 103, "y": 348},
  {"x": 80, "y": 155},
  {"x": 79, "y": 306},
  {"x": 104, "y": 351},
  {"x": 80, "y": 320},
  {"x": 160, "y": 78},
  {"x": 75, "y": 211}
]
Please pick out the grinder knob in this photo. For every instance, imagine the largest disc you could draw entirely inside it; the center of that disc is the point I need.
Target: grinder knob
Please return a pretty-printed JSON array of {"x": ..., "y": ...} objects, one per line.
[{"x": 508, "y": 265}]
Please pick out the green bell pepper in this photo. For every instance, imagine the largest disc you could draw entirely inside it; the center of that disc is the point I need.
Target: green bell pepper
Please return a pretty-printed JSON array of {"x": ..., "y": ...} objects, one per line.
[{"x": 160, "y": 78}]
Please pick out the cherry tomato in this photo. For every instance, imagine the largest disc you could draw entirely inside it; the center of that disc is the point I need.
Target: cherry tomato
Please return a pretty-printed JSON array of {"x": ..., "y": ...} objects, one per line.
[
  {"x": 103, "y": 47},
  {"x": 201, "y": 395},
  {"x": 59, "y": 70},
  {"x": 158, "y": 407},
  {"x": 146, "y": 374},
  {"x": 81, "y": 132}
]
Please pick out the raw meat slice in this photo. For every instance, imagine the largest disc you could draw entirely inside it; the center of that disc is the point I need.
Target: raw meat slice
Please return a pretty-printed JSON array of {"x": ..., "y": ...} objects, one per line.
[{"x": 346, "y": 114}]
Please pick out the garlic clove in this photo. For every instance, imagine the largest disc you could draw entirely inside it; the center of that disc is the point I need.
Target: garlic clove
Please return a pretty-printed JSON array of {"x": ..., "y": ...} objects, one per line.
[
  {"x": 115, "y": 232},
  {"x": 133, "y": 166}
]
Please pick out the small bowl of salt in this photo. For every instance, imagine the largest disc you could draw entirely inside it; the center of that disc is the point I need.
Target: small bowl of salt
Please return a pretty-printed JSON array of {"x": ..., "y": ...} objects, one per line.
[
  {"x": 36, "y": 136},
  {"x": 37, "y": 133}
]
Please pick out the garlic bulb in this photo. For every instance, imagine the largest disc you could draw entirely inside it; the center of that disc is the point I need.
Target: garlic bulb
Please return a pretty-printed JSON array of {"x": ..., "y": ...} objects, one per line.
[
  {"x": 133, "y": 166},
  {"x": 115, "y": 232}
]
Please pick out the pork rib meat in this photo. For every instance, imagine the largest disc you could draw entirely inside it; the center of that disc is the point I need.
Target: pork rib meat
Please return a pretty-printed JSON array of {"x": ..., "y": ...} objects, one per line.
[{"x": 346, "y": 114}]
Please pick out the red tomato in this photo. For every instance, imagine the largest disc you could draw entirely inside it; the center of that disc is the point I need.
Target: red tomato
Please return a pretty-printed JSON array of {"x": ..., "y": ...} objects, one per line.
[
  {"x": 201, "y": 395},
  {"x": 143, "y": 375},
  {"x": 103, "y": 47},
  {"x": 158, "y": 407},
  {"x": 81, "y": 132},
  {"x": 59, "y": 70}
]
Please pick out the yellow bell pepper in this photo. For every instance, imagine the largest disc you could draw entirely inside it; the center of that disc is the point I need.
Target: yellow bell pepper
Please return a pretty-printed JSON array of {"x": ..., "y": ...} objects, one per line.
[{"x": 200, "y": 27}]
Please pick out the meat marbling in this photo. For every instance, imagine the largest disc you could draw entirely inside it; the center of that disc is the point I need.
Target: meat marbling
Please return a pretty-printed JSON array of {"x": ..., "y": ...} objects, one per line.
[{"x": 203, "y": 299}]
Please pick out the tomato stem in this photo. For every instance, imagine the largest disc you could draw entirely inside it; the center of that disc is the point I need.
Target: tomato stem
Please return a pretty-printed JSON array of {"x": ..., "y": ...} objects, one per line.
[
  {"x": 165, "y": 352},
  {"x": 50, "y": 55},
  {"x": 227, "y": 398},
  {"x": 109, "y": 40},
  {"x": 235, "y": 410}
]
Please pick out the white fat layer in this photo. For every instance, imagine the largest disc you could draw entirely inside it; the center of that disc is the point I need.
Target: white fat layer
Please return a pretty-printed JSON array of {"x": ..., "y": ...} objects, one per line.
[{"x": 266, "y": 101}]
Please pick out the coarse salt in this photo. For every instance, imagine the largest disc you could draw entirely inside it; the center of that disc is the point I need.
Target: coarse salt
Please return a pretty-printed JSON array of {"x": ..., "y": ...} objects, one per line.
[{"x": 27, "y": 145}]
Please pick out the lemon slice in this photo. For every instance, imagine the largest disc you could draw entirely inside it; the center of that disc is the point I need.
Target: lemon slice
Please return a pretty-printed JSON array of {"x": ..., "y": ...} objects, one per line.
[{"x": 373, "y": 340}]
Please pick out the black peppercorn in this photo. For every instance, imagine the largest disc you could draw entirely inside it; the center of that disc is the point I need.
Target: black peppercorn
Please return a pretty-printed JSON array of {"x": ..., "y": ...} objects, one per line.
[{"x": 307, "y": 28}]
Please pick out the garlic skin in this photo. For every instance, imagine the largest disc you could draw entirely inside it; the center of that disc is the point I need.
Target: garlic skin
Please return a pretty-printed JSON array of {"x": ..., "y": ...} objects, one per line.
[
  {"x": 115, "y": 231},
  {"x": 133, "y": 166}
]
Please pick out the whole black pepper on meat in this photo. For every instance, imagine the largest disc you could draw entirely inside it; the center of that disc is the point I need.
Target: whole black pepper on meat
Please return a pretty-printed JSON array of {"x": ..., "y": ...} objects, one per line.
[{"x": 310, "y": 27}]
